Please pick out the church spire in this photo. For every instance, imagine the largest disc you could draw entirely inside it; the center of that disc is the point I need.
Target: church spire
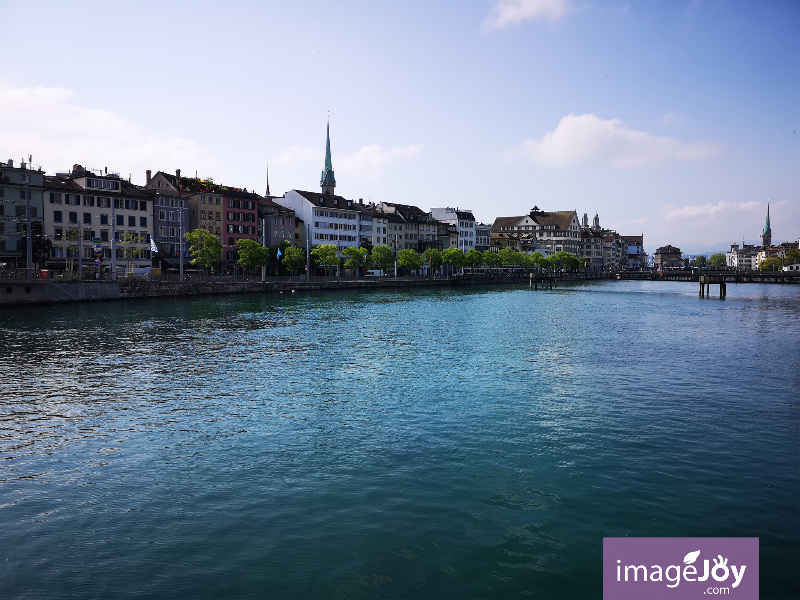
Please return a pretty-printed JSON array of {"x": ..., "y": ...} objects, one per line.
[
  {"x": 268, "y": 194},
  {"x": 766, "y": 234},
  {"x": 328, "y": 181}
]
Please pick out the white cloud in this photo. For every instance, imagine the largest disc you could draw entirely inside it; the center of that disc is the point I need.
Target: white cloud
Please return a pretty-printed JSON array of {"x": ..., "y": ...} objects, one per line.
[
  {"x": 45, "y": 123},
  {"x": 589, "y": 140},
  {"x": 511, "y": 12},
  {"x": 298, "y": 154},
  {"x": 368, "y": 161},
  {"x": 701, "y": 211}
]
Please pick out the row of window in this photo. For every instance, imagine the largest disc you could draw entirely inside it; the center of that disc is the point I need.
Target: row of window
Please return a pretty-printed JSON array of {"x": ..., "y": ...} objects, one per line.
[
  {"x": 102, "y": 184},
  {"x": 248, "y": 204},
  {"x": 343, "y": 226},
  {"x": 246, "y": 217},
  {"x": 334, "y": 237},
  {"x": 243, "y": 229},
  {"x": 174, "y": 202},
  {"x": 162, "y": 215},
  {"x": 210, "y": 216},
  {"x": 333, "y": 215},
  {"x": 99, "y": 201},
  {"x": 72, "y": 217},
  {"x": 91, "y": 235}
]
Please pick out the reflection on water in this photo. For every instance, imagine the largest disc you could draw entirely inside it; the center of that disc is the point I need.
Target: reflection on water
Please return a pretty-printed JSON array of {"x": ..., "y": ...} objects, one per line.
[{"x": 446, "y": 443}]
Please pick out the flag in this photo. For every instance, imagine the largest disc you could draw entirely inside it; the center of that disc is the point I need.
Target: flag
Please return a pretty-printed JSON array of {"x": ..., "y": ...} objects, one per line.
[
  {"x": 279, "y": 254},
  {"x": 153, "y": 246}
]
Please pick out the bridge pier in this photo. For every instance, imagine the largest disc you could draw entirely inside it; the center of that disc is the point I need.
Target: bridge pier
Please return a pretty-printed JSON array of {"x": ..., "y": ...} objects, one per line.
[{"x": 705, "y": 286}]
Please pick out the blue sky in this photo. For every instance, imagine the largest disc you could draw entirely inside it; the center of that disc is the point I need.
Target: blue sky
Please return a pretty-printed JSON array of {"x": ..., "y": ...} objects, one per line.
[{"x": 676, "y": 120}]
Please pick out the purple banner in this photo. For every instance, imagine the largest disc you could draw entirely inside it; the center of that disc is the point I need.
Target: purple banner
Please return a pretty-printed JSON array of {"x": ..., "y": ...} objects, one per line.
[{"x": 680, "y": 568}]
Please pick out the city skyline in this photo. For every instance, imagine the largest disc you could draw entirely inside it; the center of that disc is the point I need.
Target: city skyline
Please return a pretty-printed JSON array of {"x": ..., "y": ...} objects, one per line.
[{"x": 682, "y": 128}]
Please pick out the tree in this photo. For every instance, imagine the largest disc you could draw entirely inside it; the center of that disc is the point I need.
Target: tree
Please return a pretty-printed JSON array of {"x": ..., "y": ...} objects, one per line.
[
  {"x": 325, "y": 255},
  {"x": 41, "y": 246},
  {"x": 293, "y": 259},
  {"x": 491, "y": 259},
  {"x": 355, "y": 258},
  {"x": 792, "y": 256},
  {"x": 539, "y": 260},
  {"x": 131, "y": 248},
  {"x": 204, "y": 247},
  {"x": 698, "y": 261},
  {"x": 716, "y": 260},
  {"x": 433, "y": 258},
  {"x": 508, "y": 256},
  {"x": 383, "y": 257},
  {"x": 251, "y": 253},
  {"x": 473, "y": 258},
  {"x": 563, "y": 260},
  {"x": 772, "y": 263},
  {"x": 409, "y": 259},
  {"x": 454, "y": 256}
]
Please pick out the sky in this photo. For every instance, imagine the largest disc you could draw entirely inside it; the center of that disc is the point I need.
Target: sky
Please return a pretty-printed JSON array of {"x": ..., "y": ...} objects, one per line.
[{"x": 676, "y": 120}]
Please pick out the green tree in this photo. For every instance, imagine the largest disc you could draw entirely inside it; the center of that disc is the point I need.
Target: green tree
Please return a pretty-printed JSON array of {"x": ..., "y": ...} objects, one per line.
[
  {"x": 563, "y": 260},
  {"x": 473, "y": 258},
  {"x": 716, "y": 260},
  {"x": 325, "y": 255},
  {"x": 131, "y": 247},
  {"x": 491, "y": 259},
  {"x": 771, "y": 263},
  {"x": 453, "y": 256},
  {"x": 251, "y": 253},
  {"x": 293, "y": 259},
  {"x": 433, "y": 258},
  {"x": 509, "y": 256},
  {"x": 41, "y": 246},
  {"x": 204, "y": 247},
  {"x": 792, "y": 256},
  {"x": 409, "y": 259},
  {"x": 698, "y": 261},
  {"x": 383, "y": 257},
  {"x": 355, "y": 258},
  {"x": 538, "y": 260}
]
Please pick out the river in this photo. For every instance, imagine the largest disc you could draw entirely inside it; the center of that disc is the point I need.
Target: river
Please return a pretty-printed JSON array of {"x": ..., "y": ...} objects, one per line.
[{"x": 448, "y": 443}]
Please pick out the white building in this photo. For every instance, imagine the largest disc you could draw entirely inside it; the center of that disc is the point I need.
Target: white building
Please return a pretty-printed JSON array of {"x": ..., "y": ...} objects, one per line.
[{"x": 464, "y": 222}]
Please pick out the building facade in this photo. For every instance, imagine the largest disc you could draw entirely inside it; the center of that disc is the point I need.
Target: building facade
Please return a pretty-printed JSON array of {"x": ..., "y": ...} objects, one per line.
[{"x": 20, "y": 186}]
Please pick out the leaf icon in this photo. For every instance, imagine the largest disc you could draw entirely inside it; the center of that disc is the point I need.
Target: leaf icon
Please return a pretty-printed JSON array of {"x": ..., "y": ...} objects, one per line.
[{"x": 691, "y": 557}]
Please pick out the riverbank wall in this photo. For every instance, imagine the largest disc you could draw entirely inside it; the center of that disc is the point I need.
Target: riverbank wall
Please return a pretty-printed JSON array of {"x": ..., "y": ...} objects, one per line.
[{"x": 27, "y": 292}]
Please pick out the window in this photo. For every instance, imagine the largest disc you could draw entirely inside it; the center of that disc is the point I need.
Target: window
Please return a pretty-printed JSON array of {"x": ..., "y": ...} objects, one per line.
[
  {"x": 88, "y": 200},
  {"x": 73, "y": 217},
  {"x": 162, "y": 231},
  {"x": 58, "y": 234},
  {"x": 102, "y": 184},
  {"x": 171, "y": 232},
  {"x": 162, "y": 215},
  {"x": 55, "y": 198},
  {"x": 202, "y": 199},
  {"x": 131, "y": 221},
  {"x": 120, "y": 220},
  {"x": 104, "y": 219},
  {"x": 142, "y": 221},
  {"x": 87, "y": 218}
]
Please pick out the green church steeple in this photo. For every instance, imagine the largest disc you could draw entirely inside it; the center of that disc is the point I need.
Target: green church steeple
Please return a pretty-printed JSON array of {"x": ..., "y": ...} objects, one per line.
[
  {"x": 328, "y": 181},
  {"x": 766, "y": 234}
]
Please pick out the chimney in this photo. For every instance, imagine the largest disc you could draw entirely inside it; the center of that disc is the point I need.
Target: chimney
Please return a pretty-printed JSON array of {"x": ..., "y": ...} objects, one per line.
[{"x": 148, "y": 176}]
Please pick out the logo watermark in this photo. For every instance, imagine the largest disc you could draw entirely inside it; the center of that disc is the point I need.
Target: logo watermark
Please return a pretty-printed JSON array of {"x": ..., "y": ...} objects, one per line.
[{"x": 680, "y": 568}]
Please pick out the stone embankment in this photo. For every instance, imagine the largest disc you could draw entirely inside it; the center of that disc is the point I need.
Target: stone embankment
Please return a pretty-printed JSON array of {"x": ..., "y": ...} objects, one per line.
[{"x": 17, "y": 292}]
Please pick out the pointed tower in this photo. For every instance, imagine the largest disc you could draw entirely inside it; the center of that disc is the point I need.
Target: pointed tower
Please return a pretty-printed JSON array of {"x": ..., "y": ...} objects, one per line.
[
  {"x": 328, "y": 181},
  {"x": 268, "y": 194},
  {"x": 766, "y": 235}
]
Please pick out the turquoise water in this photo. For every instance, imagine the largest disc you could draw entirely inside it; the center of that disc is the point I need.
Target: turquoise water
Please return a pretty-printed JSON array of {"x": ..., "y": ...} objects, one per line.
[{"x": 428, "y": 444}]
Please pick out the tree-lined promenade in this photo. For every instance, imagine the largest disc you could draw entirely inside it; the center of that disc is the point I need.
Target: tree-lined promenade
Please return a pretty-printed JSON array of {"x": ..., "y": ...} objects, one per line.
[{"x": 284, "y": 259}]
